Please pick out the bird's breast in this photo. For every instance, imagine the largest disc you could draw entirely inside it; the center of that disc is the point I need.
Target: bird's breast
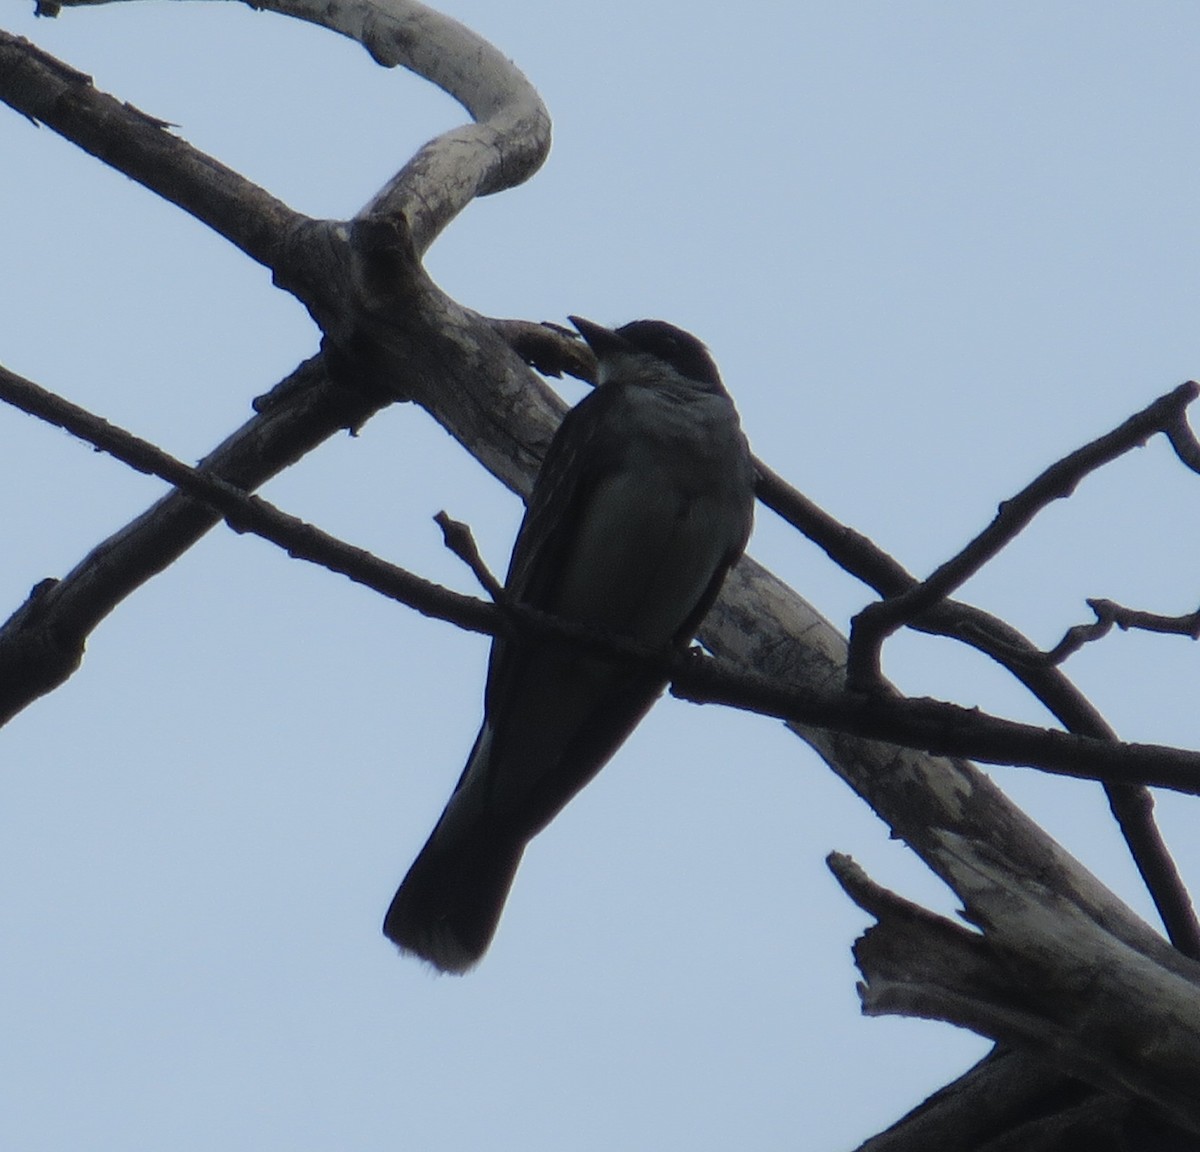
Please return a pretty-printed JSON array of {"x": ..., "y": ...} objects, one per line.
[{"x": 658, "y": 527}]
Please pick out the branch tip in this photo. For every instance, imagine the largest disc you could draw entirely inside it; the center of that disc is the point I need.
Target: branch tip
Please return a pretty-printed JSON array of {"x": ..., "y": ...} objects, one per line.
[{"x": 458, "y": 537}]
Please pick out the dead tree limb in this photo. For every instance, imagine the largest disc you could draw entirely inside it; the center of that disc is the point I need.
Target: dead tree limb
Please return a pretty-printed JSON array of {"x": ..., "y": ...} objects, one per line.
[
  {"x": 1040, "y": 976},
  {"x": 929, "y": 724},
  {"x": 389, "y": 334},
  {"x": 1132, "y": 806},
  {"x": 877, "y": 621}
]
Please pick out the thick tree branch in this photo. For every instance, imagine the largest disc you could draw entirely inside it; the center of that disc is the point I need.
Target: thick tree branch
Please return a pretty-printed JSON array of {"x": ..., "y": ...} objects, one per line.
[
  {"x": 386, "y": 326},
  {"x": 508, "y": 143},
  {"x": 1132, "y": 806},
  {"x": 1014, "y": 1102},
  {"x": 1042, "y": 977}
]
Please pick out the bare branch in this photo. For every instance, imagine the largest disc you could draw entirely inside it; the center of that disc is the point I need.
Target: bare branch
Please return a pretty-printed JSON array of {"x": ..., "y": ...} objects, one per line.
[
  {"x": 942, "y": 728},
  {"x": 144, "y": 149},
  {"x": 922, "y": 724},
  {"x": 461, "y": 541},
  {"x": 879, "y": 620},
  {"x": 549, "y": 348},
  {"x": 1132, "y": 805},
  {"x": 1183, "y": 440},
  {"x": 1040, "y": 976},
  {"x": 508, "y": 143},
  {"x": 759, "y": 623},
  {"x": 43, "y": 643},
  {"x": 70, "y": 608},
  {"x": 387, "y": 327},
  {"x": 1109, "y": 613},
  {"x": 452, "y": 362},
  {"x": 1132, "y": 618},
  {"x": 246, "y": 513}
]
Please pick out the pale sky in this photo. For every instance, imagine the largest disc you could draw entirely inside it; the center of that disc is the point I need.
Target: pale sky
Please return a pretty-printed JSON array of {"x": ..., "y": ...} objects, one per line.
[{"x": 933, "y": 247}]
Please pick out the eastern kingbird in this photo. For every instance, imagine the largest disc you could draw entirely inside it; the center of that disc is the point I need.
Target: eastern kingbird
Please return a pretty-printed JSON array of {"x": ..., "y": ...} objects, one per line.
[{"x": 644, "y": 501}]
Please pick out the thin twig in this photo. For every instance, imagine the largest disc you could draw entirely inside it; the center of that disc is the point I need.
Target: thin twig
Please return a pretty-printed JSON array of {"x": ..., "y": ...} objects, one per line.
[
  {"x": 460, "y": 540},
  {"x": 1109, "y": 614},
  {"x": 551, "y": 349},
  {"x": 246, "y": 513},
  {"x": 877, "y": 621}
]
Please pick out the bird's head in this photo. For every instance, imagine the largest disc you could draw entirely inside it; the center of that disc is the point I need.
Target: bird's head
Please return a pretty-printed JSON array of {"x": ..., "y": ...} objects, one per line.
[{"x": 644, "y": 347}]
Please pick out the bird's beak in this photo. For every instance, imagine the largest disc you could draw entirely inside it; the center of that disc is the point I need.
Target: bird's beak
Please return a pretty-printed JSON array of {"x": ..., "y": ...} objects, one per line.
[{"x": 603, "y": 341}]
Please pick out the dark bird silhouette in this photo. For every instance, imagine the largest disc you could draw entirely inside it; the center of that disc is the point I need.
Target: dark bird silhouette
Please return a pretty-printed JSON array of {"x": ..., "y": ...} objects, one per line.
[{"x": 643, "y": 502}]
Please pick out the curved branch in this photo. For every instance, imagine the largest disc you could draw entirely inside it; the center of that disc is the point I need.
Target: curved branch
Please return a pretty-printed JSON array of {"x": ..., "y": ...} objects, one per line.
[
  {"x": 508, "y": 142},
  {"x": 389, "y": 332},
  {"x": 1109, "y": 614}
]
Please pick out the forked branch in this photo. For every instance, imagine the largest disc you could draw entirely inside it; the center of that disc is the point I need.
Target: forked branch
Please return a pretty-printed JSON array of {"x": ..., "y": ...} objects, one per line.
[
  {"x": 389, "y": 333},
  {"x": 923, "y": 724},
  {"x": 871, "y": 627}
]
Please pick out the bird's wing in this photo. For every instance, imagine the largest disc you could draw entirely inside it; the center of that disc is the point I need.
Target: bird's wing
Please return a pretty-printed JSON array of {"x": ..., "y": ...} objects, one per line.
[{"x": 579, "y": 457}]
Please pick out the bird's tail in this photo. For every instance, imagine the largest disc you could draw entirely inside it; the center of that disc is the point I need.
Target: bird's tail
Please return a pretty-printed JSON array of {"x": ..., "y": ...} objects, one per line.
[{"x": 447, "y": 909}]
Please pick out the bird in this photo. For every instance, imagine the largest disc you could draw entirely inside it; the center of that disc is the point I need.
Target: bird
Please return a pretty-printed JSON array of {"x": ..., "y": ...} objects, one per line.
[{"x": 644, "y": 500}]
